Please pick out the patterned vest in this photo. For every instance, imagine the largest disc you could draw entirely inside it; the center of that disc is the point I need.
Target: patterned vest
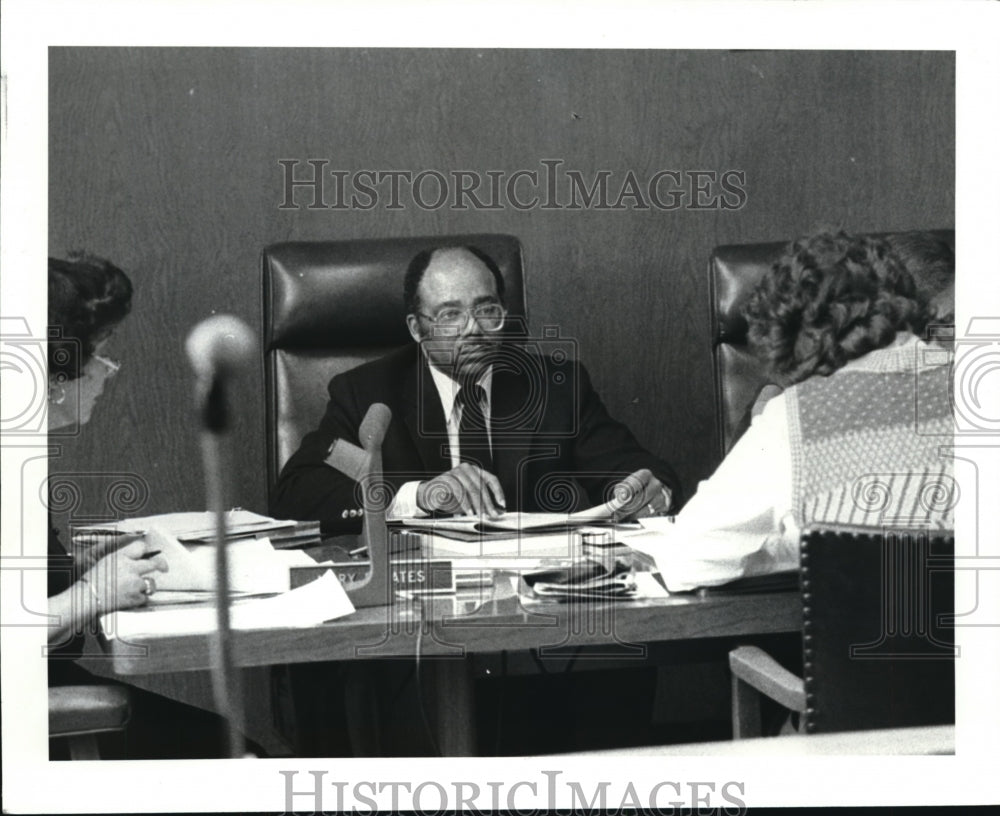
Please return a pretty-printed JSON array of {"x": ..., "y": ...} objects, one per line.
[{"x": 870, "y": 442}]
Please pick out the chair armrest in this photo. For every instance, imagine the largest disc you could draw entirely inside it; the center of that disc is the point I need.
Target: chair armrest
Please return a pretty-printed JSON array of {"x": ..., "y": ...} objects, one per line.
[
  {"x": 87, "y": 709},
  {"x": 758, "y": 669}
]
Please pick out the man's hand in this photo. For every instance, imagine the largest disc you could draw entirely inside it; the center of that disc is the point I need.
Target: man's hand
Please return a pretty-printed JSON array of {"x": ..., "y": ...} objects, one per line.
[
  {"x": 464, "y": 490},
  {"x": 639, "y": 495}
]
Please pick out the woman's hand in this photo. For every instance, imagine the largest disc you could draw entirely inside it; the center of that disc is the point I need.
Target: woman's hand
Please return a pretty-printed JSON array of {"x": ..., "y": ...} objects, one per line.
[
  {"x": 87, "y": 556},
  {"x": 639, "y": 495},
  {"x": 124, "y": 578}
]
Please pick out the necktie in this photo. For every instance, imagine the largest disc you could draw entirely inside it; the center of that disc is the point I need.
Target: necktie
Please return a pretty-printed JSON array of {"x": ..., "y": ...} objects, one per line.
[{"x": 473, "y": 440}]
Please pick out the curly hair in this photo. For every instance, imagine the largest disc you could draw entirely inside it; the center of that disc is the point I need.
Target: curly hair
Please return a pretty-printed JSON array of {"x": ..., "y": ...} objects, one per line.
[
  {"x": 831, "y": 298},
  {"x": 930, "y": 258},
  {"x": 88, "y": 297}
]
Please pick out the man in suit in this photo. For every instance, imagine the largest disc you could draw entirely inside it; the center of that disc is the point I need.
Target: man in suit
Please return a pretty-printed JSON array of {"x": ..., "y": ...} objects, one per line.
[{"x": 480, "y": 423}]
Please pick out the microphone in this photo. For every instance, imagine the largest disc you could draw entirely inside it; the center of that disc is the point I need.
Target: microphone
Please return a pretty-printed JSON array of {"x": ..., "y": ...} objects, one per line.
[
  {"x": 374, "y": 493},
  {"x": 218, "y": 348},
  {"x": 373, "y": 426},
  {"x": 222, "y": 344},
  {"x": 364, "y": 465}
]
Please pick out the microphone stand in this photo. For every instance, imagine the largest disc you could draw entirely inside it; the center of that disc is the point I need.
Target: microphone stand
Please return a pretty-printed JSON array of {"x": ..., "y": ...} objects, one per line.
[
  {"x": 364, "y": 465},
  {"x": 226, "y": 685}
]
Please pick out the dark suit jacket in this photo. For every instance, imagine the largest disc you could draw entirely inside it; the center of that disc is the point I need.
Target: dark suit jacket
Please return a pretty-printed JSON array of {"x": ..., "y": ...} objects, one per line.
[{"x": 554, "y": 445}]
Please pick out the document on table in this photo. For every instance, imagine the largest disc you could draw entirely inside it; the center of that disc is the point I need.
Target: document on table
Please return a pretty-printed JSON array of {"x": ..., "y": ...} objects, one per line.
[
  {"x": 645, "y": 586},
  {"x": 321, "y": 600},
  {"x": 514, "y": 522},
  {"x": 557, "y": 544},
  {"x": 511, "y": 535},
  {"x": 191, "y": 526},
  {"x": 254, "y": 565}
]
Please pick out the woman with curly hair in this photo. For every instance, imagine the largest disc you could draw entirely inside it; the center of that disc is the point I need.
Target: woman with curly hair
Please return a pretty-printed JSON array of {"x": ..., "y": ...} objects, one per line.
[{"x": 837, "y": 321}]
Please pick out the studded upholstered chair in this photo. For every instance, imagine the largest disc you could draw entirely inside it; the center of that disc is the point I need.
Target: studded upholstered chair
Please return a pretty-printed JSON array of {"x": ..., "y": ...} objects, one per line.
[{"x": 878, "y": 636}]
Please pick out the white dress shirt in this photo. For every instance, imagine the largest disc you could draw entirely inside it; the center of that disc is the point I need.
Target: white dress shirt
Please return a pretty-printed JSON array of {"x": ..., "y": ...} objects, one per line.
[
  {"x": 740, "y": 522},
  {"x": 405, "y": 503}
]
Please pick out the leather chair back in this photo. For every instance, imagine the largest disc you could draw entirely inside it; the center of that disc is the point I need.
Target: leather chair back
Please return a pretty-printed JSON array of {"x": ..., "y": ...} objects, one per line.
[
  {"x": 733, "y": 272},
  {"x": 329, "y": 306},
  {"x": 878, "y": 628}
]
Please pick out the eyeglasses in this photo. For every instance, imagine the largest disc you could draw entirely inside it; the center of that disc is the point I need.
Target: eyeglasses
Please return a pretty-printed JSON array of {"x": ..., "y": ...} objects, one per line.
[
  {"x": 489, "y": 316},
  {"x": 111, "y": 366}
]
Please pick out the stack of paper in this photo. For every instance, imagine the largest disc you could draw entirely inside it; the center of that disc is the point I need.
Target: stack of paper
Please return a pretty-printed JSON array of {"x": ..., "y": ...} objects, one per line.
[
  {"x": 185, "y": 541},
  {"x": 188, "y": 527},
  {"x": 314, "y": 603},
  {"x": 583, "y": 578},
  {"x": 254, "y": 565},
  {"x": 550, "y": 535},
  {"x": 550, "y": 545},
  {"x": 590, "y": 579},
  {"x": 511, "y": 523}
]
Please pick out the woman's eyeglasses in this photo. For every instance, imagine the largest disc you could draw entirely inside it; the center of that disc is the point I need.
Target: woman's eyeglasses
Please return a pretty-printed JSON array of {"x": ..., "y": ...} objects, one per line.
[{"x": 110, "y": 366}]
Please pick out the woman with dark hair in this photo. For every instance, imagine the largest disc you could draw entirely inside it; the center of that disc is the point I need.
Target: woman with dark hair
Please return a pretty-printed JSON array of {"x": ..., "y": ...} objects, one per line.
[
  {"x": 837, "y": 321},
  {"x": 930, "y": 258},
  {"x": 88, "y": 297}
]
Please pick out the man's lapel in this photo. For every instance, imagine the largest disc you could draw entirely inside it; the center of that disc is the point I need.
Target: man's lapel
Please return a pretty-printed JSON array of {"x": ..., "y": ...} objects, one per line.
[
  {"x": 511, "y": 426},
  {"x": 424, "y": 417}
]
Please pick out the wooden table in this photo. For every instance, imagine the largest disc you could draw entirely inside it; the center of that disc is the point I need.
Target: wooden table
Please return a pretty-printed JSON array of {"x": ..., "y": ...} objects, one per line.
[{"x": 448, "y": 631}]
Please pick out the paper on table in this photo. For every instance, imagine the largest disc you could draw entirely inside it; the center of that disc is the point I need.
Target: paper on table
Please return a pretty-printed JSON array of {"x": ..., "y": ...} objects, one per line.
[
  {"x": 647, "y": 588},
  {"x": 254, "y": 565},
  {"x": 658, "y": 524},
  {"x": 558, "y": 544},
  {"x": 515, "y": 522},
  {"x": 192, "y": 525},
  {"x": 321, "y": 600},
  {"x": 510, "y": 563}
]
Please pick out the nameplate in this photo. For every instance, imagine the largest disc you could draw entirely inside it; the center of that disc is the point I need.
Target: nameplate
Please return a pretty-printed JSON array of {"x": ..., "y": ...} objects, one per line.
[
  {"x": 410, "y": 575},
  {"x": 422, "y": 576},
  {"x": 350, "y": 575}
]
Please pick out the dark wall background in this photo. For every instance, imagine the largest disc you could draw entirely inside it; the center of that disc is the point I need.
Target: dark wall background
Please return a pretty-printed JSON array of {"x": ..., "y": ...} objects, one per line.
[{"x": 166, "y": 161}]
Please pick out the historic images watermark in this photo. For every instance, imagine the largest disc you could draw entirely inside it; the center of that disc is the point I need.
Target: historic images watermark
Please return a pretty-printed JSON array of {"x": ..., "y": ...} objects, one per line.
[
  {"x": 312, "y": 184},
  {"x": 23, "y": 362},
  {"x": 313, "y": 792}
]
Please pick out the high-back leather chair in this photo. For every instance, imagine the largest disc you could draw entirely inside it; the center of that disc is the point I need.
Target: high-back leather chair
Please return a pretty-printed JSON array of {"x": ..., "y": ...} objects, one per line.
[
  {"x": 329, "y": 306},
  {"x": 733, "y": 272},
  {"x": 878, "y": 636}
]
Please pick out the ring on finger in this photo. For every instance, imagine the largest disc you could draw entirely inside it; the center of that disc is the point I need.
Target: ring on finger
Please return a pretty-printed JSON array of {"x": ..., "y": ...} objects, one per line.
[{"x": 149, "y": 585}]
